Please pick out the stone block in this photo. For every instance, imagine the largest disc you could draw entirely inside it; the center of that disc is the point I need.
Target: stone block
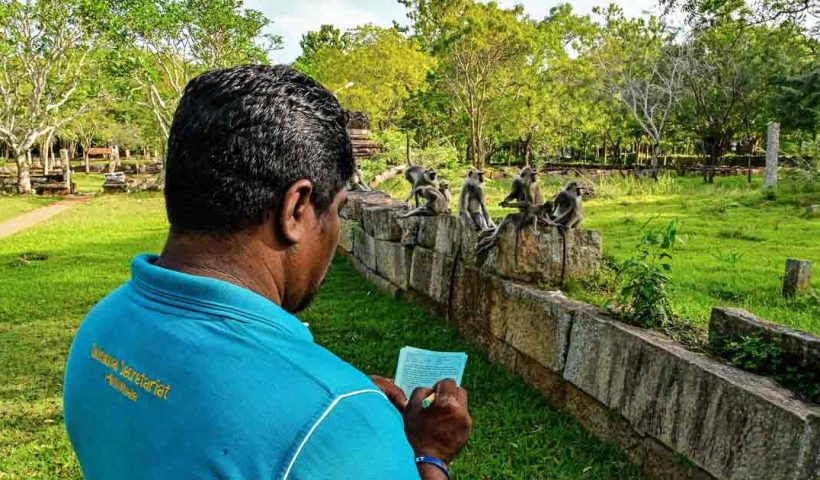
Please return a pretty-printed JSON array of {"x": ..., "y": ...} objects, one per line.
[
  {"x": 448, "y": 235},
  {"x": 346, "y": 232},
  {"x": 797, "y": 276},
  {"x": 393, "y": 262},
  {"x": 549, "y": 383},
  {"x": 364, "y": 247},
  {"x": 428, "y": 229},
  {"x": 799, "y": 348},
  {"x": 540, "y": 254},
  {"x": 474, "y": 296},
  {"x": 380, "y": 283},
  {"x": 381, "y": 221},
  {"x": 358, "y": 200},
  {"x": 431, "y": 274},
  {"x": 537, "y": 323},
  {"x": 440, "y": 233},
  {"x": 409, "y": 231},
  {"x": 732, "y": 424},
  {"x": 468, "y": 239}
]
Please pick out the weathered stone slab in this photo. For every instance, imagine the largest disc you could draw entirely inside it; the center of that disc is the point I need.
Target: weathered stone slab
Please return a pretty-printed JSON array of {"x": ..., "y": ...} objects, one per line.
[
  {"x": 409, "y": 231},
  {"x": 468, "y": 239},
  {"x": 364, "y": 247},
  {"x": 358, "y": 200},
  {"x": 448, "y": 235},
  {"x": 439, "y": 233},
  {"x": 393, "y": 262},
  {"x": 541, "y": 252},
  {"x": 537, "y": 323},
  {"x": 474, "y": 296},
  {"x": 798, "y": 347},
  {"x": 733, "y": 424},
  {"x": 797, "y": 276},
  {"x": 431, "y": 274},
  {"x": 381, "y": 221},
  {"x": 380, "y": 283},
  {"x": 346, "y": 228}
]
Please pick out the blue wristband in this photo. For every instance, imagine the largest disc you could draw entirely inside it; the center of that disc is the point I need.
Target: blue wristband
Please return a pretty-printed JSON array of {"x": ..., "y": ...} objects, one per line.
[{"x": 436, "y": 462}]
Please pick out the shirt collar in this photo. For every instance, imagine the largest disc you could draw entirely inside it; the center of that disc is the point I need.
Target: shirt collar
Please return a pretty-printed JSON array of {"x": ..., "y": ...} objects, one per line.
[{"x": 210, "y": 295}]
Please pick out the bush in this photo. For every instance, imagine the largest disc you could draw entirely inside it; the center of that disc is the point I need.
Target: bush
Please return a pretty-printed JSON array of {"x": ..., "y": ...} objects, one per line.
[{"x": 643, "y": 279}]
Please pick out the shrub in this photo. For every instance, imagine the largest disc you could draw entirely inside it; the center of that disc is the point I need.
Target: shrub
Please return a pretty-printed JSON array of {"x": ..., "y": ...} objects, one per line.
[{"x": 643, "y": 279}]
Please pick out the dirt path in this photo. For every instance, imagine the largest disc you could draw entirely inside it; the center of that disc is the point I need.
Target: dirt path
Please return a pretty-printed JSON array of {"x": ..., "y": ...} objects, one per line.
[{"x": 29, "y": 219}]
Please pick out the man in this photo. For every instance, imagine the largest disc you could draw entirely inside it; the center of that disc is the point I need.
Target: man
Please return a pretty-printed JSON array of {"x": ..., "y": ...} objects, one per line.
[{"x": 196, "y": 368}]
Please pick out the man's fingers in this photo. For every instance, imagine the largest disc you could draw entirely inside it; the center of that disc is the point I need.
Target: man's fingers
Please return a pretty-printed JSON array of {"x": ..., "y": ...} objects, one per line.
[
  {"x": 419, "y": 394},
  {"x": 462, "y": 398},
  {"x": 445, "y": 390}
]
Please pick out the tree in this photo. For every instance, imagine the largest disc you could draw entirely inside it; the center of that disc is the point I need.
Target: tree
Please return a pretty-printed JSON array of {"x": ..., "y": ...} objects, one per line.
[
  {"x": 44, "y": 50},
  {"x": 478, "y": 64},
  {"x": 370, "y": 69},
  {"x": 643, "y": 69},
  {"x": 172, "y": 41}
]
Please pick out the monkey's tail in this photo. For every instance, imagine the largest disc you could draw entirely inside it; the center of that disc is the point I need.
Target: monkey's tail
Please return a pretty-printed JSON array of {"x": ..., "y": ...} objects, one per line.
[
  {"x": 517, "y": 244},
  {"x": 564, "y": 255},
  {"x": 450, "y": 287}
]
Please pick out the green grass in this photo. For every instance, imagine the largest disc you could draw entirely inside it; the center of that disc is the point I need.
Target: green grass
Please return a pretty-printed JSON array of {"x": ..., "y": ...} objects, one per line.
[
  {"x": 736, "y": 239},
  {"x": 88, "y": 182},
  {"x": 517, "y": 435},
  {"x": 11, "y": 206}
]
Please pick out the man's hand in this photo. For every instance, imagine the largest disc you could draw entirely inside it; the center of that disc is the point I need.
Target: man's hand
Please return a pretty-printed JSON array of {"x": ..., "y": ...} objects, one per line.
[
  {"x": 391, "y": 391},
  {"x": 442, "y": 429}
]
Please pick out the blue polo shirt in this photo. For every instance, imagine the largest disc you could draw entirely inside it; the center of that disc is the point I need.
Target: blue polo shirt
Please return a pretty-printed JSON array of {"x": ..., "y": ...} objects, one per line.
[{"x": 180, "y": 376}]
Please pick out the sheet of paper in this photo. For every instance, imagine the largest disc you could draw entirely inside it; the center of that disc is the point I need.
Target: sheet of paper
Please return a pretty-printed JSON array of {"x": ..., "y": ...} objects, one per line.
[{"x": 423, "y": 368}]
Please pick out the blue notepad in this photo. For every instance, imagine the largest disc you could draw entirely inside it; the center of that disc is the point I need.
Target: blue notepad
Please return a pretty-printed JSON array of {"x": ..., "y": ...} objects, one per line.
[{"x": 423, "y": 368}]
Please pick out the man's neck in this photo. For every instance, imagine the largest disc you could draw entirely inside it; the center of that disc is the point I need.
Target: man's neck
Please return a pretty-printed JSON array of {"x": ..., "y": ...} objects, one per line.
[{"x": 229, "y": 259}]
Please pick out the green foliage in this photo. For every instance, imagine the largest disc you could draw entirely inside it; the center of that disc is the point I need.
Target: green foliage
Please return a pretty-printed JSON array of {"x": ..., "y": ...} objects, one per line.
[
  {"x": 371, "y": 69},
  {"x": 758, "y": 354},
  {"x": 644, "y": 278},
  {"x": 753, "y": 353}
]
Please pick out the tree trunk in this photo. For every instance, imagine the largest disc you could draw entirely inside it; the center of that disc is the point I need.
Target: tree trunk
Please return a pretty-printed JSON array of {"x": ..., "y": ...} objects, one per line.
[
  {"x": 44, "y": 160},
  {"x": 23, "y": 177},
  {"x": 86, "y": 161},
  {"x": 654, "y": 162}
]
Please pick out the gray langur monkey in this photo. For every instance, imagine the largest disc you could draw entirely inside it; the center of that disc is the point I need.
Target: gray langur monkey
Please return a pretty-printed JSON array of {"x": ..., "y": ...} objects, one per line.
[
  {"x": 472, "y": 206},
  {"x": 418, "y": 177},
  {"x": 438, "y": 201},
  {"x": 538, "y": 214},
  {"x": 525, "y": 191},
  {"x": 356, "y": 182},
  {"x": 568, "y": 214},
  {"x": 569, "y": 209}
]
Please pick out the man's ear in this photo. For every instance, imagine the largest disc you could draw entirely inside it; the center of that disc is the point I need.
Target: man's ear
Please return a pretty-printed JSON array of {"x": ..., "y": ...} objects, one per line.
[{"x": 296, "y": 211}]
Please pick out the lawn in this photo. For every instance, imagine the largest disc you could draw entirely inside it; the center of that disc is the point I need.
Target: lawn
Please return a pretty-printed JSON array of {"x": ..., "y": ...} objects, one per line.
[
  {"x": 11, "y": 206},
  {"x": 736, "y": 240},
  {"x": 517, "y": 435}
]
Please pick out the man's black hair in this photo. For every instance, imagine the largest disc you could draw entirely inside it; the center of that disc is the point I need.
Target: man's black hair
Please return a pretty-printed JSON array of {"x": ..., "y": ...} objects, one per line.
[{"x": 241, "y": 136}]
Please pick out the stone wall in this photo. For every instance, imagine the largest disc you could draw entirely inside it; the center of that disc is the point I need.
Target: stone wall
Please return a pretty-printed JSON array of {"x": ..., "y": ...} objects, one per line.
[
  {"x": 799, "y": 348},
  {"x": 678, "y": 414}
]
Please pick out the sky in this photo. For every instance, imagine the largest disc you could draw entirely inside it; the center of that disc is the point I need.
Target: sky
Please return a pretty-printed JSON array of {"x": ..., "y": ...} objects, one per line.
[{"x": 293, "y": 18}]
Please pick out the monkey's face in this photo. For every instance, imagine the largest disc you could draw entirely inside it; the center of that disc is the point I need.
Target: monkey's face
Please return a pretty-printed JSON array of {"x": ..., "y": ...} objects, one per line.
[
  {"x": 431, "y": 174},
  {"x": 443, "y": 186},
  {"x": 480, "y": 177}
]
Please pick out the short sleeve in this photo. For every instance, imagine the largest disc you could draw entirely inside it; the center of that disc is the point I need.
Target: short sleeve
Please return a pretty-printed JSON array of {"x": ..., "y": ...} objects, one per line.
[{"x": 360, "y": 436}]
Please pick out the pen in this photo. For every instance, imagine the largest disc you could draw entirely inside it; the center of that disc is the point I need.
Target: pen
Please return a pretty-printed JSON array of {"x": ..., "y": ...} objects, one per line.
[{"x": 428, "y": 400}]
